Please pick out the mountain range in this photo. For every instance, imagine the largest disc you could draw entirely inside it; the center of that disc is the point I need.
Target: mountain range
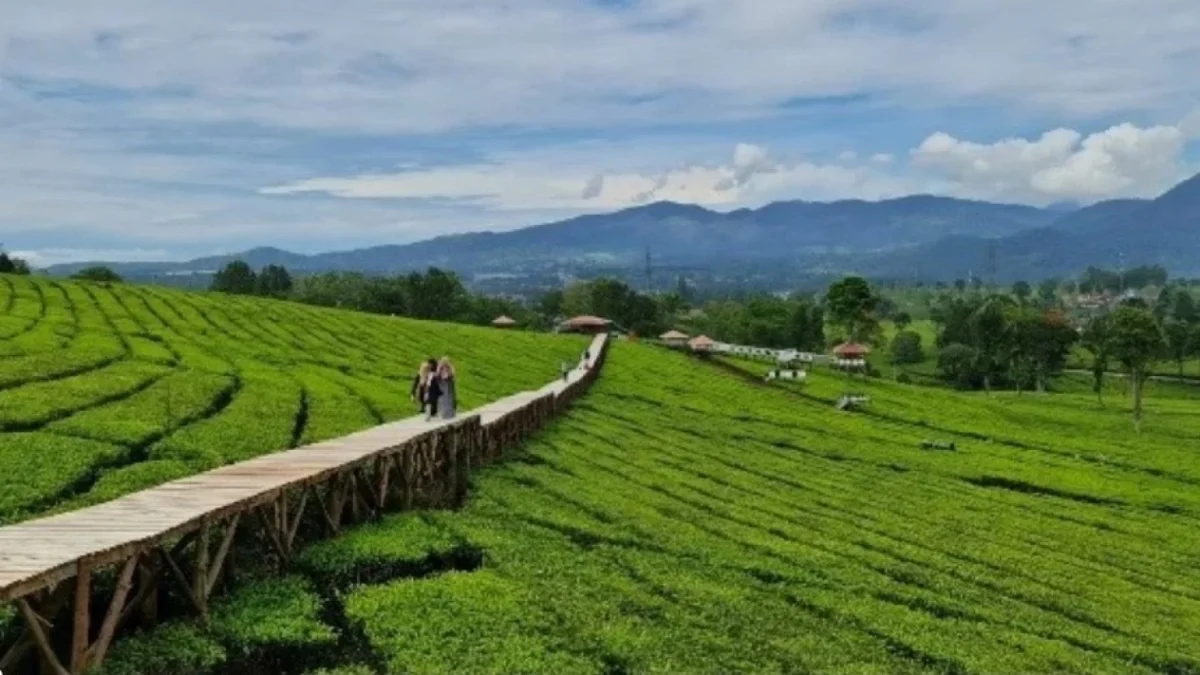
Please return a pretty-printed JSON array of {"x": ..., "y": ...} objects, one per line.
[{"x": 922, "y": 236}]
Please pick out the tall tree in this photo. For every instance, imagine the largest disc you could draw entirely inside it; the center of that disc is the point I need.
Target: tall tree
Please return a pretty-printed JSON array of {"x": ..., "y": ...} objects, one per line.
[
  {"x": 1184, "y": 307},
  {"x": 850, "y": 304},
  {"x": 1048, "y": 292},
  {"x": 236, "y": 277},
  {"x": 991, "y": 339},
  {"x": 274, "y": 281},
  {"x": 902, "y": 320},
  {"x": 906, "y": 348},
  {"x": 1135, "y": 341},
  {"x": 1022, "y": 290},
  {"x": 957, "y": 363},
  {"x": 1178, "y": 336},
  {"x": 1041, "y": 343},
  {"x": 1095, "y": 339}
]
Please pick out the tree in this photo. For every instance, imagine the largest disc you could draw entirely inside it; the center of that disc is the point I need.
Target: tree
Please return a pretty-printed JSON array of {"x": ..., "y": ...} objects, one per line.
[
  {"x": 1022, "y": 290},
  {"x": 902, "y": 320},
  {"x": 12, "y": 265},
  {"x": 1095, "y": 339},
  {"x": 906, "y": 348},
  {"x": 1184, "y": 307},
  {"x": 805, "y": 327},
  {"x": 274, "y": 281},
  {"x": 1178, "y": 336},
  {"x": 957, "y": 364},
  {"x": 990, "y": 339},
  {"x": 97, "y": 273},
  {"x": 236, "y": 278},
  {"x": 1041, "y": 342},
  {"x": 1135, "y": 341},
  {"x": 437, "y": 295},
  {"x": 1048, "y": 291},
  {"x": 851, "y": 305},
  {"x": 960, "y": 285}
]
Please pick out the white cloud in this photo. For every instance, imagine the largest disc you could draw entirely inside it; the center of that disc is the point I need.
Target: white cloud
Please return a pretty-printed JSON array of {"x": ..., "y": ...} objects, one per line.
[
  {"x": 1122, "y": 161},
  {"x": 55, "y": 256},
  {"x": 750, "y": 175}
]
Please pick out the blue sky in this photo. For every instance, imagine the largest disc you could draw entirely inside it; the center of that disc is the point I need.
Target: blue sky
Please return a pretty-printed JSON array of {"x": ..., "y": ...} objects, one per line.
[{"x": 144, "y": 129}]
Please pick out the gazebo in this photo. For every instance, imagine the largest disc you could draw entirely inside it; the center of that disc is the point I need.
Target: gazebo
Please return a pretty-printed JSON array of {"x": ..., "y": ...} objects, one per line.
[
  {"x": 674, "y": 338},
  {"x": 503, "y": 322},
  {"x": 851, "y": 350},
  {"x": 702, "y": 344},
  {"x": 591, "y": 325}
]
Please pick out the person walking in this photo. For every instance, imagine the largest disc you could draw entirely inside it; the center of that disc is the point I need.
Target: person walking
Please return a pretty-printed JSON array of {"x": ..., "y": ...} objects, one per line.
[
  {"x": 449, "y": 385},
  {"x": 433, "y": 389},
  {"x": 417, "y": 393}
]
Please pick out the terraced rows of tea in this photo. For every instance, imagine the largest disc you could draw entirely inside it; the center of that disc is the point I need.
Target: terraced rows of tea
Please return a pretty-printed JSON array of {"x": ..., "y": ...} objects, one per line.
[
  {"x": 682, "y": 519},
  {"x": 106, "y": 390}
]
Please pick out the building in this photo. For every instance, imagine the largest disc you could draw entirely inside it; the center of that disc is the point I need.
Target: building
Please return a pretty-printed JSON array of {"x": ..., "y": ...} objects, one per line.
[
  {"x": 504, "y": 322},
  {"x": 674, "y": 338},
  {"x": 851, "y": 351},
  {"x": 702, "y": 344},
  {"x": 588, "y": 325}
]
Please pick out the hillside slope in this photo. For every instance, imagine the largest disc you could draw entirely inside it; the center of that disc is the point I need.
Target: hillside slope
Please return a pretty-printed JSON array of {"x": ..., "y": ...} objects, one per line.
[
  {"x": 682, "y": 519},
  {"x": 105, "y": 390}
]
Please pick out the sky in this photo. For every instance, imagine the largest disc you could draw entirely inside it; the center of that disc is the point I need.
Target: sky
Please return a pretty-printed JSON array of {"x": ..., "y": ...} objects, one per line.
[{"x": 164, "y": 130}]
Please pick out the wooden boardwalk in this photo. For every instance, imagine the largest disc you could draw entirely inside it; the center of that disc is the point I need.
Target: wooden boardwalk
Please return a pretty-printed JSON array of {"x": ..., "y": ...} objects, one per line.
[{"x": 425, "y": 461}]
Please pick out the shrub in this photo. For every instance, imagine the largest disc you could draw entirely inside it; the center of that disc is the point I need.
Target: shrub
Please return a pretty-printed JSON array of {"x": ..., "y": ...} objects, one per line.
[{"x": 170, "y": 649}]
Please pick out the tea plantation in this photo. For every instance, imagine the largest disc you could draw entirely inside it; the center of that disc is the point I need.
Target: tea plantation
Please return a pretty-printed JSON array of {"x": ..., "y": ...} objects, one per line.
[
  {"x": 106, "y": 390},
  {"x": 686, "y": 518}
]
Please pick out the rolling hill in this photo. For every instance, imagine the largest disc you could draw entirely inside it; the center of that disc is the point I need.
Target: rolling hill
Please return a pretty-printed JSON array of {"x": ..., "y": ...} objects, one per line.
[
  {"x": 681, "y": 518},
  {"x": 106, "y": 390}
]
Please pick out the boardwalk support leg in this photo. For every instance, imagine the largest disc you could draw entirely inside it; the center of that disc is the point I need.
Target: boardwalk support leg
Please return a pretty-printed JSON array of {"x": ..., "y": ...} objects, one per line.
[
  {"x": 82, "y": 628},
  {"x": 34, "y": 623}
]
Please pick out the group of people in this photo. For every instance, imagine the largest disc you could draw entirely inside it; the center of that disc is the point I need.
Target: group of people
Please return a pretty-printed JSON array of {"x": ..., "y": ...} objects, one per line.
[{"x": 435, "y": 388}]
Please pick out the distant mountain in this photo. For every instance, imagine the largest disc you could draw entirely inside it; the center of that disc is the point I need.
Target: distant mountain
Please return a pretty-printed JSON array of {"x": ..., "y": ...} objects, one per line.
[
  {"x": 676, "y": 233},
  {"x": 933, "y": 237},
  {"x": 1122, "y": 232}
]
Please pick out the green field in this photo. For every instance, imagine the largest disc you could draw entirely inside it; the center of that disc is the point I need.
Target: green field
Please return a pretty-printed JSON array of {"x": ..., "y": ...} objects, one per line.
[
  {"x": 684, "y": 519},
  {"x": 106, "y": 390}
]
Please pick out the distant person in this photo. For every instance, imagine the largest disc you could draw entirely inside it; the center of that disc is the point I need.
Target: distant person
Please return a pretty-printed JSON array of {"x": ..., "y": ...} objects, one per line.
[
  {"x": 447, "y": 379},
  {"x": 433, "y": 389},
  {"x": 587, "y": 359},
  {"x": 566, "y": 371},
  {"x": 417, "y": 394}
]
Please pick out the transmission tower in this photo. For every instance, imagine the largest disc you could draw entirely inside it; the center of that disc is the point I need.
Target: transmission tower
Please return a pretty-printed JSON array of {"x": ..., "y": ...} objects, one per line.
[
  {"x": 649, "y": 286},
  {"x": 991, "y": 262}
]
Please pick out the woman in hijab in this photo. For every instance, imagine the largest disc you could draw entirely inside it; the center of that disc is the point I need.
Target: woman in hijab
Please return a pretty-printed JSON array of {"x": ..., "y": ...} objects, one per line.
[
  {"x": 433, "y": 389},
  {"x": 449, "y": 384}
]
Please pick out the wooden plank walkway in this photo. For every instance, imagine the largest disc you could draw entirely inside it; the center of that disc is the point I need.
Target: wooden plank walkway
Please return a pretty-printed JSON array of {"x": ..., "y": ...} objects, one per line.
[{"x": 41, "y": 553}]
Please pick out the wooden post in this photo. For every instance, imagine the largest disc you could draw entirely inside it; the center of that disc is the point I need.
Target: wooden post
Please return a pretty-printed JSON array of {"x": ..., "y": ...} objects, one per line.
[
  {"x": 149, "y": 584},
  {"x": 81, "y": 633},
  {"x": 200, "y": 573},
  {"x": 406, "y": 475},
  {"x": 116, "y": 608},
  {"x": 33, "y": 622}
]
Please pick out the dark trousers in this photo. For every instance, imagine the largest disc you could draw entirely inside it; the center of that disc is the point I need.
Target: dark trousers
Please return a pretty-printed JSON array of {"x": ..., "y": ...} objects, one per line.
[{"x": 432, "y": 406}]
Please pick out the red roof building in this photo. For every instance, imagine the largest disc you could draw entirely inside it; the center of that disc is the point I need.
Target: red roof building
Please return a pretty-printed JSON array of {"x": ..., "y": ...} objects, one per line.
[{"x": 851, "y": 350}]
